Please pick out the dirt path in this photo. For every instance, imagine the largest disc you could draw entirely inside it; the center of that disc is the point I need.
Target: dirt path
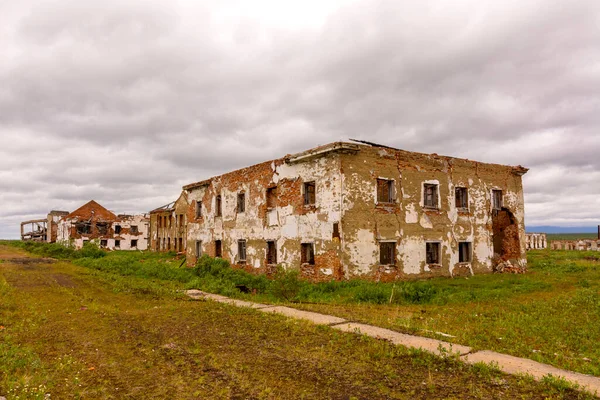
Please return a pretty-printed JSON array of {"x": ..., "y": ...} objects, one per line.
[{"x": 509, "y": 364}]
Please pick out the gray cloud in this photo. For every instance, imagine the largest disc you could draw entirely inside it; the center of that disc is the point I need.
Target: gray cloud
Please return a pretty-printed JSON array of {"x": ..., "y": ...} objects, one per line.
[{"x": 125, "y": 102}]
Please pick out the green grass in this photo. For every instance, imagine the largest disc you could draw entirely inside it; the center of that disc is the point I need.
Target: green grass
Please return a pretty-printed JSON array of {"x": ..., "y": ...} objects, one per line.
[
  {"x": 81, "y": 332},
  {"x": 549, "y": 314}
]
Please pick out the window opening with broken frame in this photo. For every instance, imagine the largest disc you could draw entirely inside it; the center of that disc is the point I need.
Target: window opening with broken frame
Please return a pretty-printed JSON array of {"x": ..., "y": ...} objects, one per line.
[
  {"x": 464, "y": 252},
  {"x": 271, "y": 253},
  {"x": 218, "y": 249},
  {"x": 461, "y": 197},
  {"x": 117, "y": 229},
  {"x": 198, "y": 209},
  {"x": 117, "y": 244},
  {"x": 385, "y": 191},
  {"x": 103, "y": 243},
  {"x": 133, "y": 230},
  {"x": 134, "y": 243},
  {"x": 84, "y": 227},
  {"x": 242, "y": 251},
  {"x": 307, "y": 255},
  {"x": 309, "y": 193},
  {"x": 241, "y": 202},
  {"x": 387, "y": 253},
  {"x": 432, "y": 250},
  {"x": 497, "y": 199},
  {"x": 272, "y": 197},
  {"x": 198, "y": 248},
  {"x": 430, "y": 195},
  {"x": 218, "y": 206},
  {"x": 102, "y": 227}
]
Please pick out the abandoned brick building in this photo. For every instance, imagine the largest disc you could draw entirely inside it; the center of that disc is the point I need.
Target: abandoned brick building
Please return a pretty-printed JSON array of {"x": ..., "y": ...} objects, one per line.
[
  {"x": 94, "y": 223},
  {"x": 168, "y": 226},
  {"x": 347, "y": 210}
]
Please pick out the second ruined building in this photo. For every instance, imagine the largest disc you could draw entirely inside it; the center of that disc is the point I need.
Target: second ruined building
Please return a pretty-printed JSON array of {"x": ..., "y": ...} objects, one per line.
[{"x": 348, "y": 210}]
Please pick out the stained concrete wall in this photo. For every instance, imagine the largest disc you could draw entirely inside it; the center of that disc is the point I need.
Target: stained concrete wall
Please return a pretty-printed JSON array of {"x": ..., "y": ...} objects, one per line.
[
  {"x": 290, "y": 223},
  {"x": 410, "y": 225}
]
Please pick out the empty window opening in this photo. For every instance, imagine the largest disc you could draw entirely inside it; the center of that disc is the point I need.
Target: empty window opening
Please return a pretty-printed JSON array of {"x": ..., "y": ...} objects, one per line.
[
  {"x": 430, "y": 195},
  {"x": 497, "y": 199},
  {"x": 181, "y": 221},
  {"x": 117, "y": 229},
  {"x": 133, "y": 230},
  {"x": 432, "y": 253},
  {"x": 387, "y": 253},
  {"x": 198, "y": 209},
  {"x": 198, "y": 248},
  {"x": 180, "y": 244},
  {"x": 307, "y": 255},
  {"x": 272, "y": 197},
  {"x": 271, "y": 253},
  {"x": 84, "y": 227},
  {"x": 117, "y": 244},
  {"x": 464, "y": 252},
  {"x": 241, "y": 202},
  {"x": 103, "y": 243},
  {"x": 385, "y": 191},
  {"x": 336, "y": 230},
  {"x": 218, "y": 249},
  {"x": 309, "y": 193},
  {"x": 134, "y": 243},
  {"x": 461, "y": 198},
  {"x": 242, "y": 251},
  {"x": 169, "y": 244},
  {"x": 218, "y": 206},
  {"x": 102, "y": 227}
]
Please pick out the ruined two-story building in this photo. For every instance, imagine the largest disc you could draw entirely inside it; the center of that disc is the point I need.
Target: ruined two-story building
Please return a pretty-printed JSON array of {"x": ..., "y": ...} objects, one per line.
[
  {"x": 348, "y": 210},
  {"x": 94, "y": 223}
]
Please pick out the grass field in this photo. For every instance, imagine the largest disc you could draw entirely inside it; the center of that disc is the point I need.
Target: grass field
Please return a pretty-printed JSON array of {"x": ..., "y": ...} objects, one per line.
[
  {"x": 550, "y": 314},
  {"x": 571, "y": 236},
  {"x": 72, "y": 332}
]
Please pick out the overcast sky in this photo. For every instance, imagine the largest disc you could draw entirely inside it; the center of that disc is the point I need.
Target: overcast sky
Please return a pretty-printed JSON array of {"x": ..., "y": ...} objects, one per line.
[{"x": 126, "y": 101}]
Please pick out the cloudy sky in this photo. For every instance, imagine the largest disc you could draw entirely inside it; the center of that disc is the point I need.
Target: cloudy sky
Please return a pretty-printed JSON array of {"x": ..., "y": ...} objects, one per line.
[{"x": 126, "y": 101}]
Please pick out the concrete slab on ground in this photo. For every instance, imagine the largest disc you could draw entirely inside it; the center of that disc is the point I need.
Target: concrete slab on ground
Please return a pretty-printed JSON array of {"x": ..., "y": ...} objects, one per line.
[
  {"x": 515, "y": 365},
  {"x": 438, "y": 347},
  {"x": 316, "y": 318},
  {"x": 198, "y": 294}
]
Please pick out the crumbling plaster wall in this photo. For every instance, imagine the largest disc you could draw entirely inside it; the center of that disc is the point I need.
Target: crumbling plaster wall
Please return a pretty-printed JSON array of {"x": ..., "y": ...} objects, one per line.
[
  {"x": 409, "y": 224},
  {"x": 290, "y": 223}
]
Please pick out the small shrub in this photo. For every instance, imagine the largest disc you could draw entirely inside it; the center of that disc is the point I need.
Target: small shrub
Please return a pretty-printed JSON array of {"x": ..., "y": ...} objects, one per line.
[
  {"x": 377, "y": 294},
  {"x": 286, "y": 284},
  {"x": 417, "y": 292}
]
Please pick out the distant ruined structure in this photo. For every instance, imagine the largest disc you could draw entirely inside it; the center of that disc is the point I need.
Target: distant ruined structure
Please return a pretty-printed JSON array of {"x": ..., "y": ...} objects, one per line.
[
  {"x": 536, "y": 241},
  {"x": 578, "y": 244},
  {"x": 90, "y": 223}
]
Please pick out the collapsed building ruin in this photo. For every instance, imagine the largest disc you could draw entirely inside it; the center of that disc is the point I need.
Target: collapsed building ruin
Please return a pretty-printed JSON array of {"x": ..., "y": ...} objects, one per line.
[
  {"x": 536, "y": 241},
  {"x": 42, "y": 230},
  {"x": 94, "y": 223},
  {"x": 348, "y": 210},
  {"x": 90, "y": 223}
]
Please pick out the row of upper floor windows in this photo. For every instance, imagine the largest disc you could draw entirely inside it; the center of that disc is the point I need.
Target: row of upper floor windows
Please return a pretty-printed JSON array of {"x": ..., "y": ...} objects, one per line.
[{"x": 386, "y": 194}]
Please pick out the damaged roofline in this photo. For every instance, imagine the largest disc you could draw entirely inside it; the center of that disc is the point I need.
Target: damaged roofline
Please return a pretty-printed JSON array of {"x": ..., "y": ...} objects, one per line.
[{"x": 322, "y": 150}]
